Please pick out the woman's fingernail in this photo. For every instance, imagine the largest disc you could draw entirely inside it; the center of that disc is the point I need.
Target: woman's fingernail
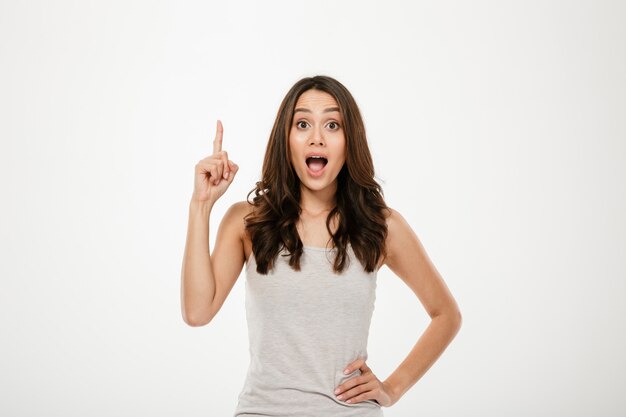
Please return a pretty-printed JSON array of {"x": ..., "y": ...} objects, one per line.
[
  {"x": 337, "y": 391},
  {"x": 226, "y": 175},
  {"x": 347, "y": 371}
]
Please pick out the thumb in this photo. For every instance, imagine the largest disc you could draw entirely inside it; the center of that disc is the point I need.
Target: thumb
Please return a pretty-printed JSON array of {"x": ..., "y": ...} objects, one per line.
[
  {"x": 233, "y": 170},
  {"x": 354, "y": 365}
]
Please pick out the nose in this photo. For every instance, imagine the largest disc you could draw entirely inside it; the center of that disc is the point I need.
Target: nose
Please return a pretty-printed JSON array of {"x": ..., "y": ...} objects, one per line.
[{"x": 316, "y": 137}]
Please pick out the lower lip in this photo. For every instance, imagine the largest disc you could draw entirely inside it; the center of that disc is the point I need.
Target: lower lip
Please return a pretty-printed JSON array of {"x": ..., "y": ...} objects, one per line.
[{"x": 318, "y": 173}]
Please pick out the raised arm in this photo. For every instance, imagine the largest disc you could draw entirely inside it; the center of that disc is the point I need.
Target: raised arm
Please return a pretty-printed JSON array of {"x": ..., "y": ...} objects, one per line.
[{"x": 206, "y": 280}]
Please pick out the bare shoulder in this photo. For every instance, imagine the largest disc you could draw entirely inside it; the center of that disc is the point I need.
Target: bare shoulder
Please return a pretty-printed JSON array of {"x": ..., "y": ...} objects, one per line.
[
  {"x": 235, "y": 221},
  {"x": 401, "y": 239},
  {"x": 235, "y": 215},
  {"x": 243, "y": 206}
]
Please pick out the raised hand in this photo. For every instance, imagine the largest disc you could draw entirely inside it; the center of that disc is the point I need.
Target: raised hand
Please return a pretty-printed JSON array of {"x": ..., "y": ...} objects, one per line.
[{"x": 215, "y": 173}]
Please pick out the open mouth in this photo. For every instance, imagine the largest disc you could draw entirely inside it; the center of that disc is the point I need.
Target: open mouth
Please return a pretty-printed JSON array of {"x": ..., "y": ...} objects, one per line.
[{"x": 316, "y": 163}]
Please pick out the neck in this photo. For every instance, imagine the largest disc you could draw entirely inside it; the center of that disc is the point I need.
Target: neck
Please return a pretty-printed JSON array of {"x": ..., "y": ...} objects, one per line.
[{"x": 317, "y": 202}]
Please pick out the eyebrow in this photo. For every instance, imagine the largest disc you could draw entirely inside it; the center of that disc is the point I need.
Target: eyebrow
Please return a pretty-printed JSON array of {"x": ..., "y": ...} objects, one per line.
[{"x": 328, "y": 110}]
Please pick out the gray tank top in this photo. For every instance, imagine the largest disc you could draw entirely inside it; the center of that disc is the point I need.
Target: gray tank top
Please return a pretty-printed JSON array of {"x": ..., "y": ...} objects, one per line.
[{"x": 304, "y": 328}]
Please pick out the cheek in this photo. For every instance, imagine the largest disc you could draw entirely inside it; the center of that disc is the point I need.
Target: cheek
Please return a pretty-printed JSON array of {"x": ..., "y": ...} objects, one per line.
[
  {"x": 296, "y": 140},
  {"x": 341, "y": 150},
  {"x": 292, "y": 144},
  {"x": 293, "y": 150}
]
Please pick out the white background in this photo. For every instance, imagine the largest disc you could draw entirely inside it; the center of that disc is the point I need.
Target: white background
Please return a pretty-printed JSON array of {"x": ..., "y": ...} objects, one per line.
[{"x": 497, "y": 130}]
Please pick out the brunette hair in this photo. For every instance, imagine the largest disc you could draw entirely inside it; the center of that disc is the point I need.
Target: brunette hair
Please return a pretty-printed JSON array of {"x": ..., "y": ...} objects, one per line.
[{"x": 360, "y": 207}]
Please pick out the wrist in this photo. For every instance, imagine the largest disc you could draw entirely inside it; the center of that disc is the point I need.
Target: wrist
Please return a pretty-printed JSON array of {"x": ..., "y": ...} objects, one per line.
[
  {"x": 392, "y": 391},
  {"x": 203, "y": 206}
]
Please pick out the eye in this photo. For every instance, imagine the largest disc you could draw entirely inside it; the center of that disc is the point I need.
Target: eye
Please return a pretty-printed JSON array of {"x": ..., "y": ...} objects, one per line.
[
  {"x": 333, "y": 125},
  {"x": 301, "y": 124}
]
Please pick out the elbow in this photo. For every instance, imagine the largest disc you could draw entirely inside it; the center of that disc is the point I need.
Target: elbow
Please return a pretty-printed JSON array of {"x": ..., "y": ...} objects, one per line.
[
  {"x": 452, "y": 317},
  {"x": 452, "y": 321},
  {"x": 453, "y": 313},
  {"x": 193, "y": 319},
  {"x": 456, "y": 320}
]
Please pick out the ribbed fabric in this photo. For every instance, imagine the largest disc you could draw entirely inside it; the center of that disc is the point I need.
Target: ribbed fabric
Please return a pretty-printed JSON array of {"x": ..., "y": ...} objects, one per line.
[{"x": 304, "y": 328}]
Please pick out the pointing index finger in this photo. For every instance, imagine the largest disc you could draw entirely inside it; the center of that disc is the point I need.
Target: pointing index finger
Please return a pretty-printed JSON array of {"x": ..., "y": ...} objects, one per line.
[{"x": 217, "y": 143}]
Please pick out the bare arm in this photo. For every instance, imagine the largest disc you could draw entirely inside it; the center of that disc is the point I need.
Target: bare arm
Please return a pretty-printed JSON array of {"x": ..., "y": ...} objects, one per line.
[
  {"x": 206, "y": 281},
  {"x": 407, "y": 258},
  {"x": 197, "y": 281}
]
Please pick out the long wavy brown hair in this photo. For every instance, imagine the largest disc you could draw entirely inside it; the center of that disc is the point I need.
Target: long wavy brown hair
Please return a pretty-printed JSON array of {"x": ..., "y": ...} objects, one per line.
[{"x": 360, "y": 207}]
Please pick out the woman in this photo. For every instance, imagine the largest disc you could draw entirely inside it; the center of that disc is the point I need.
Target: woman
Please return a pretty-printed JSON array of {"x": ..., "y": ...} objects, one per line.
[{"x": 313, "y": 238}]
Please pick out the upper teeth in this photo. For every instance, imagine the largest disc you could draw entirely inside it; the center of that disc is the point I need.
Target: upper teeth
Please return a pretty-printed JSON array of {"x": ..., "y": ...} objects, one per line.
[{"x": 316, "y": 156}]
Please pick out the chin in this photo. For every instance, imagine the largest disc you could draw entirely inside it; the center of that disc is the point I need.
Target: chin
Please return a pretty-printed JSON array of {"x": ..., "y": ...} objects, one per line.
[{"x": 318, "y": 185}]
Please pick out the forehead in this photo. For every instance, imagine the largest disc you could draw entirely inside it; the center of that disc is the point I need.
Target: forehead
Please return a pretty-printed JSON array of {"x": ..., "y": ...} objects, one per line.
[{"x": 316, "y": 99}]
